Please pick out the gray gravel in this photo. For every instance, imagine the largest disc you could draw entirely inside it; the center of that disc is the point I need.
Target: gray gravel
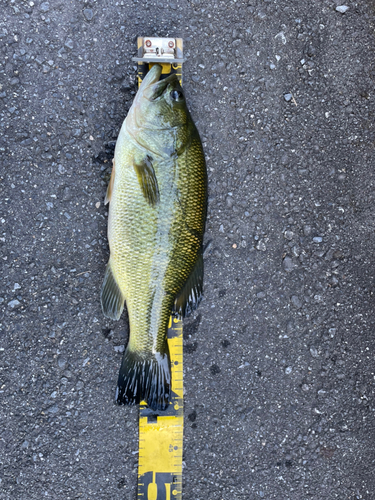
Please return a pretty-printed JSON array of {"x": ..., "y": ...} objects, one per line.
[{"x": 279, "y": 358}]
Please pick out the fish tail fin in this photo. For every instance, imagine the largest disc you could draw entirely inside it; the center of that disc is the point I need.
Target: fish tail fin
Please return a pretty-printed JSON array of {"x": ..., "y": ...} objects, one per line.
[{"x": 145, "y": 378}]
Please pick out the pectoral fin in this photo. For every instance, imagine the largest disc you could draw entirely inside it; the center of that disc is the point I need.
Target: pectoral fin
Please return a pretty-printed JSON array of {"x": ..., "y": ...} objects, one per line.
[
  {"x": 108, "y": 196},
  {"x": 192, "y": 292},
  {"x": 148, "y": 181}
]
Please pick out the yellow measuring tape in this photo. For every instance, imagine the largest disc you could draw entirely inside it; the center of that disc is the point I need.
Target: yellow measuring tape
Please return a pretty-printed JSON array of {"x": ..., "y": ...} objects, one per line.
[{"x": 161, "y": 433}]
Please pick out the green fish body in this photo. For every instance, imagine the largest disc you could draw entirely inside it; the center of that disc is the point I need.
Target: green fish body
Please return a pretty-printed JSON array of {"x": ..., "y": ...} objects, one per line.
[{"x": 158, "y": 198}]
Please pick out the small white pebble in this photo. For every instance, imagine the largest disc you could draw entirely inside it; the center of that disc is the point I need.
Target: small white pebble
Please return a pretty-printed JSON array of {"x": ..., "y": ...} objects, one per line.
[
  {"x": 342, "y": 8},
  {"x": 314, "y": 352},
  {"x": 261, "y": 246}
]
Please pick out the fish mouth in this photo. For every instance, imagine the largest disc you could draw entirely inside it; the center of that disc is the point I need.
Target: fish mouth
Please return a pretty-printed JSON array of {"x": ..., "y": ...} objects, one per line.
[{"x": 152, "y": 87}]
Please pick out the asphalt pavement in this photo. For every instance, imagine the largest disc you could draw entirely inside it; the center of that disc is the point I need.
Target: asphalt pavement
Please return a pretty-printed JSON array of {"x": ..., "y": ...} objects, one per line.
[{"x": 279, "y": 358}]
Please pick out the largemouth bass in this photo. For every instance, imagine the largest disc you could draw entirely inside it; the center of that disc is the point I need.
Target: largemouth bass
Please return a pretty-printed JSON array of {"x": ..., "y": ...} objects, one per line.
[{"x": 158, "y": 198}]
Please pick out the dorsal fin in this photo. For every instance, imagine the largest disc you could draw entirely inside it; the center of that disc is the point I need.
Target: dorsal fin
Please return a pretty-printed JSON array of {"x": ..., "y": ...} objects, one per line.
[{"x": 192, "y": 292}]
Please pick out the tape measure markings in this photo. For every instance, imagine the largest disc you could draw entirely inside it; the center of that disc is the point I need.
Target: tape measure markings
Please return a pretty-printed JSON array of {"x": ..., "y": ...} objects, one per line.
[{"x": 161, "y": 433}]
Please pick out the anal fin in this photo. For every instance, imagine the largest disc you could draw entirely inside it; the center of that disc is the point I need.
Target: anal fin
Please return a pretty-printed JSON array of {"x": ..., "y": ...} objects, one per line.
[
  {"x": 111, "y": 297},
  {"x": 147, "y": 180},
  {"x": 192, "y": 292}
]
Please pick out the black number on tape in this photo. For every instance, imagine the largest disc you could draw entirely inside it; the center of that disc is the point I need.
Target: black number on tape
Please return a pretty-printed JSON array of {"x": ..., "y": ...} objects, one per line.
[{"x": 164, "y": 485}]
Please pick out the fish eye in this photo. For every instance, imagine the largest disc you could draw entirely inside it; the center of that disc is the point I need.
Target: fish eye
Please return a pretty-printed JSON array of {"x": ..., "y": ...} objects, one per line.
[{"x": 177, "y": 95}]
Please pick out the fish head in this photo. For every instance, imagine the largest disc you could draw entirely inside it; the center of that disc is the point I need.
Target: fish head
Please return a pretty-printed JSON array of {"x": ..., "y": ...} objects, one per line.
[{"x": 160, "y": 103}]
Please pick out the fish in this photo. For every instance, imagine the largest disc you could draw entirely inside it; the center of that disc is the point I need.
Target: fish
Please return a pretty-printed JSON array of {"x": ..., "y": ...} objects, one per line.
[{"x": 157, "y": 199}]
